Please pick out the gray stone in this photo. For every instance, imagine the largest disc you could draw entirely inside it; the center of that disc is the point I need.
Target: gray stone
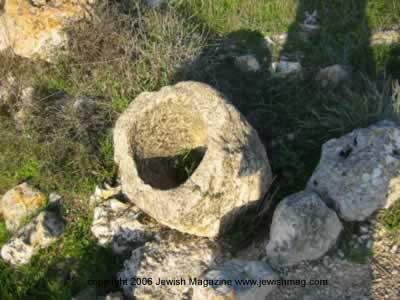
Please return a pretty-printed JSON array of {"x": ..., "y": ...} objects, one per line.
[
  {"x": 38, "y": 234},
  {"x": 121, "y": 226},
  {"x": 332, "y": 75},
  {"x": 227, "y": 278},
  {"x": 20, "y": 202},
  {"x": 114, "y": 296},
  {"x": 285, "y": 68},
  {"x": 359, "y": 172},
  {"x": 164, "y": 134},
  {"x": 303, "y": 228},
  {"x": 175, "y": 257},
  {"x": 154, "y": 3},
  {"x": 247, "y": 63}
]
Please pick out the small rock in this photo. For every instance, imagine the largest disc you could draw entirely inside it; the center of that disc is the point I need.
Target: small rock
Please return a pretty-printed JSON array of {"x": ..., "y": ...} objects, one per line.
[
  {"x": 26, "y": 242},
  {"x": 114, "y": 296},
  {"x": 394, "y": 249},
  {"x": 291, "y": 137},
  {"x": 55, "y": 202},
  {"x": 332, "y": 75},
  {"x": 231, "y": 272},
  {"x": 385, "y": 37},
  {"x": 311, "y": 18},
  {"x": 269, "y": 42},
  {"x": 247, "y": 63},
  {"x": 280, "y": 38},
  {"x": 369, "y": 244},
  {"x": 153, "y": 3},
  {"x": 340, "y": 254},
  {"x": 364, "y": 229},
  {"x": 118, "y": 224},
  {"x": 19, "y": 203},
  {"x": 285, "y": 68},
  {"x": 303, "y": 228}
]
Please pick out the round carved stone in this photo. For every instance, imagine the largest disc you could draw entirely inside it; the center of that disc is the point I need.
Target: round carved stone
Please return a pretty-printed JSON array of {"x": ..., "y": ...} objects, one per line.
[{"x": 189, "y": 159}]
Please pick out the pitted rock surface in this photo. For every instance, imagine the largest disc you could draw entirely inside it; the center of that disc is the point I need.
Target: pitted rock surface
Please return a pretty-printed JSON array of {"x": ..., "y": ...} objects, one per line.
[
  {"x": 157, "y": 127},
  {"x": 174, "y": 256},
  {"x": 359, "y": 172},
  {"x": 121, "y": 225},
  {"x": 39, "y": 233},
  {"x": 303, "y": 228},
  {"x": 35, "y": 28},
  {"x": 19, "y": 203}
]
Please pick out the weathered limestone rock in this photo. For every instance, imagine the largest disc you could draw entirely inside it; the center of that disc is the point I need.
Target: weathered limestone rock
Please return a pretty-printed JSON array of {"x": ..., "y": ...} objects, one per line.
[
  {"x": 163, "y": 136},
  {"x": 285, "y": 68},
  {"x": 303, "y": 228},
  {"x": 359, "y": 172},
  {"x": 332, "y": 75},
  {"x": 26, "y": 242},
  {"x": 247, "y": 63},
  {"x": 175, "y": 257},
  {"x": 121, "y": 225},
  {"x": 19, "y": 203},
  {"x": 35, "y": 28},
  {"x": 229, "y": 281},
  {"x": 385, "y": 37},
  {"x": 100, "y": 194}
]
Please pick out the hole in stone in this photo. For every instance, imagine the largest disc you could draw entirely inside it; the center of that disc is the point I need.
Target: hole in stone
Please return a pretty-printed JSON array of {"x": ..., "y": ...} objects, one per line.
[
  {"x": 346, "y": 152},
  {"x": 168, "y": 144}
]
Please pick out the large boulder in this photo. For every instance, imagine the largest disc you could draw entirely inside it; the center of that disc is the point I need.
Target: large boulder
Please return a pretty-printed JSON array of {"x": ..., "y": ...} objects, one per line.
[
  {"x": 189, "y": 159},
  {"x": 359, "y": 172},
  {"x": 35, "y": 28},
  {"x": 303, "y": 228},
  {"x": 236, "y": 279},
  {"x": 19, "y": 203},
  {"x": 164, "y": 268}
]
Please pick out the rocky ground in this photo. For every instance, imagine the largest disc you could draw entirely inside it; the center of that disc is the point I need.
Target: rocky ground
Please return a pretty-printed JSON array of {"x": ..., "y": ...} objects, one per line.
[{"x": 375, "y": 278}]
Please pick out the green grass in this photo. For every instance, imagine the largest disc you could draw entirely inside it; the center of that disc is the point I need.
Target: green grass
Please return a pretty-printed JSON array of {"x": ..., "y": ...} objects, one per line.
[
  {"x": 134, "y": 49},
  {"x": 391, "y": 218}
]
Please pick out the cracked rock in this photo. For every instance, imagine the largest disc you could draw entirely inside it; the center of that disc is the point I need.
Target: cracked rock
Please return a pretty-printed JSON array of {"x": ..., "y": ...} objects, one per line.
[
  {"x": 189, "y": 159},
  {"x": 303, "y": 228},
  {"x": 121, "y": 225},
  {"x": 359, "y": 172},
  {"x": 38, "y": 234}
]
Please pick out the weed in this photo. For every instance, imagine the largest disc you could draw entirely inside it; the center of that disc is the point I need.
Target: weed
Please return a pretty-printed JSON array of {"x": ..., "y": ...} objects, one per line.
[{"x": 391, "y": 217}]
